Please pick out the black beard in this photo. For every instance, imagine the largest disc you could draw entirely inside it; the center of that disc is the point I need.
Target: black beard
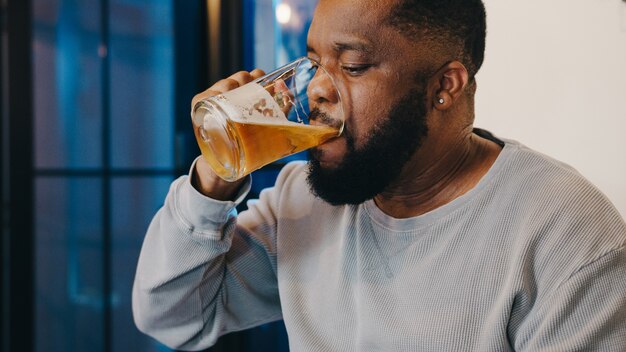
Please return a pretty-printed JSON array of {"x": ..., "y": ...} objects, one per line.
[{"x": 366, "y": 172}]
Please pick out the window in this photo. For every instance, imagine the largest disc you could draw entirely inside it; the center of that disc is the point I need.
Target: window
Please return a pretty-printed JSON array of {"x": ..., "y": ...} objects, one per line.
[{"x": 104, "y": 157}]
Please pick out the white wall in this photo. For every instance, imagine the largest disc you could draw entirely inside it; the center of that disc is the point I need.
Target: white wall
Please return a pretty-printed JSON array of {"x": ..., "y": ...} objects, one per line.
[{"x": 554, "y": 78}]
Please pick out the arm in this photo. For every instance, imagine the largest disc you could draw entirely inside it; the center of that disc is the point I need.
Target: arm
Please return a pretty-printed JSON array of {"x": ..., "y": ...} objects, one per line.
[
  {"x": 587, "y": 312},
  {"x": 199, "y": 275}
]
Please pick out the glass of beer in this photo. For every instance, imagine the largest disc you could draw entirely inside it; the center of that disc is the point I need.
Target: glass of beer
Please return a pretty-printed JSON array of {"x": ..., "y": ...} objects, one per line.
[{"x": 291, "y": 109}]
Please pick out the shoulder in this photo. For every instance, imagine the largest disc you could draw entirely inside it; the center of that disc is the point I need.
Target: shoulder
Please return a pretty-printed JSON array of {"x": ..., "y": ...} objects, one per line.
[
  {"x": 543, "y": 182},
  {"x": 564, "y": 222}
]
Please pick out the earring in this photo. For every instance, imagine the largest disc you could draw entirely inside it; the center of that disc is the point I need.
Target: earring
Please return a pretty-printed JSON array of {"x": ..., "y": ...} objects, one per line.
[{"x": 440, "y": 101}]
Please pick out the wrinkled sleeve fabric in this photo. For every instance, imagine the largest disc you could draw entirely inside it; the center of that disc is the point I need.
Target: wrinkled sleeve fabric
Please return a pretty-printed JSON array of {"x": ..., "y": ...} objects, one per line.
[{"x": 201, "y": 275}]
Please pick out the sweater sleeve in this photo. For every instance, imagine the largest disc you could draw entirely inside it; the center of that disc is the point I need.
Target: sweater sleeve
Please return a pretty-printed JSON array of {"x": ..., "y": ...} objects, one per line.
[
  {"x": 201, "y": 275},
  {"x": 587, "y": 312}
]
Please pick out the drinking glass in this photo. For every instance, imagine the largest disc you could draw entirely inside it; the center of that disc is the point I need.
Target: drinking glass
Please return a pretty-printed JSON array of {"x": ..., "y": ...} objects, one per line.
[{"x": 293, "y": 108}]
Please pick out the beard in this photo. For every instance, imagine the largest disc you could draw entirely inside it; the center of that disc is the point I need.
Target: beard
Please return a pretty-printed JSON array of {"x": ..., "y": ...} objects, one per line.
[{"x": 367, "y": 171}]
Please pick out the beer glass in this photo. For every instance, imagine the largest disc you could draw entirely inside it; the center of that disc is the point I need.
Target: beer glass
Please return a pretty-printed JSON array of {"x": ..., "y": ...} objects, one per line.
[{"x": 267, "y": 119}]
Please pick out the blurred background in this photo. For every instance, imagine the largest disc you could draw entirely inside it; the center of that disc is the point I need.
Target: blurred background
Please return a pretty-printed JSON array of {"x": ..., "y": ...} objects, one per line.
[{"x": 95, "y": 125}]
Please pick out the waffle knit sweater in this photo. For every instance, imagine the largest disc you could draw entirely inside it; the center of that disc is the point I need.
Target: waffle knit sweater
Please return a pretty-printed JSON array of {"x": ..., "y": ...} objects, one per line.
[{"x": 531, "y": 259}]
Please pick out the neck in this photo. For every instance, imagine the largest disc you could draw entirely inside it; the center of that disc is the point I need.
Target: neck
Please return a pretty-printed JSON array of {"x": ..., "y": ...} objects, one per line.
[{"x": 437, "y": 175}]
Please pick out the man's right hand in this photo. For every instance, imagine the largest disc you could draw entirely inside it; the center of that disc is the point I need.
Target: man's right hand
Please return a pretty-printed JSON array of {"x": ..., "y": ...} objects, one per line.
[{"x": 204, "y": 179}]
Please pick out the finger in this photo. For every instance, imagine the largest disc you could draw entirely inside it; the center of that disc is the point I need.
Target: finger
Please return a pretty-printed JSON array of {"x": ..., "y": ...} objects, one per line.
[
  {"x": 257, "y": 73},
  {"x": 236, "y": 80},
  {"x": 242, "y": 77},
  {"x": 281, "y": 86},
  {"x": 225, "y": 85},
  {"x": 204, "y": 95},
  {"x": 283, "y": 96},
  {"x": 219, "y": 87}
]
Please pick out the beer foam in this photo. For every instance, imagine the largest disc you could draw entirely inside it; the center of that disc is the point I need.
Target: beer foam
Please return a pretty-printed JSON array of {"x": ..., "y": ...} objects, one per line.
[{"x": 251, "y": 103}]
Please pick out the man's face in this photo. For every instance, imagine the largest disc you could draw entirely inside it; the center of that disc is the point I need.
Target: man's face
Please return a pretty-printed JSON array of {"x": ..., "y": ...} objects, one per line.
[{"x": 383, "y": 92}]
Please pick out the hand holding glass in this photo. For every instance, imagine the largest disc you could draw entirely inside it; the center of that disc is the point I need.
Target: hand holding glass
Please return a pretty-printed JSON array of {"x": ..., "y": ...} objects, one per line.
[{"x": 267, "y": 119}]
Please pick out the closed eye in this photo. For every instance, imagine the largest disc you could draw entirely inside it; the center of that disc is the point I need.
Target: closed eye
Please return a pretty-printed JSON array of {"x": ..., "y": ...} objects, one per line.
[{"x": 355, "y": 70}]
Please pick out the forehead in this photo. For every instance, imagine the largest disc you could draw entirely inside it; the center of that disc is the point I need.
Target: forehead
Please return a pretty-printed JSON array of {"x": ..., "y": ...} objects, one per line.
[
  {"x": 365, "y": 9},
  {"x": 350, "y": 19}
]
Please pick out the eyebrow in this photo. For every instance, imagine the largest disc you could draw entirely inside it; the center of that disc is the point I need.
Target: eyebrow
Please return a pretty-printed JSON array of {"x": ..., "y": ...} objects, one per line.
[
  {"x": 353, "y": 46},
  {"x": 348, "y": 46}
]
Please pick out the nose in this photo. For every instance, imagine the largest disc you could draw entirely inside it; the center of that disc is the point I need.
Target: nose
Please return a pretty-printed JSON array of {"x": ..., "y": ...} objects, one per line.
[{"x": 321, "y": 90}]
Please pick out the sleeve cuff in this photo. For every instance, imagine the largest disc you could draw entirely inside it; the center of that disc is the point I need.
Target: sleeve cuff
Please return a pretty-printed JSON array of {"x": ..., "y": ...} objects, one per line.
[{"x": 202, "y": 213}]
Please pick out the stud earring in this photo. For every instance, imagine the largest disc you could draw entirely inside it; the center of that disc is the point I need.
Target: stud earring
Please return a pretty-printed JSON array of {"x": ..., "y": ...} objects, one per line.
[{"x": 440, "y": 101}]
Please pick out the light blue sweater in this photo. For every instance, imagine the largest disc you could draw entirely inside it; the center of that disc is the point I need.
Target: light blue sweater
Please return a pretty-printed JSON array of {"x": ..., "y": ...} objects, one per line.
[{"x": 531, "y": 259}]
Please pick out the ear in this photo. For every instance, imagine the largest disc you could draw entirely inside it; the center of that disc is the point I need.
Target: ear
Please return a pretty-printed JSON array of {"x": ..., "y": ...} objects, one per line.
[{"x": 449, "y": 83}]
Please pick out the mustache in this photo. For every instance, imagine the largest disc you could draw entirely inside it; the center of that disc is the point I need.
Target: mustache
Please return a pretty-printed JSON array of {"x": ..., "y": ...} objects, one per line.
[{"x": 324, "y": 118}]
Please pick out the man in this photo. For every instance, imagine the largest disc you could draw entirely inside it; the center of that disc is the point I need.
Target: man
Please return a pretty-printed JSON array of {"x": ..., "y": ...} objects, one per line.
[{"x": 410, "y": 232}]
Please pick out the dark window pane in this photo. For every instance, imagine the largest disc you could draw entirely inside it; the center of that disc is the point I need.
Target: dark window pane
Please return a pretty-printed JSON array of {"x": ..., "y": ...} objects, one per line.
[
  {"x": 68, "y": 265},
  {"x": 135, "y": 201},
  {"x": 67, "y": 84},
  {"x": 141, "y": 83}
]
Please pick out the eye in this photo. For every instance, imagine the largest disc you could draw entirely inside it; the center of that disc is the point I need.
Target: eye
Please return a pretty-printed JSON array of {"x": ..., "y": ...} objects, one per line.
[{"x": 355, "y": 70}]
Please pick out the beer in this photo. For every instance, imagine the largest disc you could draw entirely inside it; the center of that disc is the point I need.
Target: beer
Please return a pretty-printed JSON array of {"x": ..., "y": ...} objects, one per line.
[
  {"x": 254, "y": 145},
  {"x": 243, "y": 129}
]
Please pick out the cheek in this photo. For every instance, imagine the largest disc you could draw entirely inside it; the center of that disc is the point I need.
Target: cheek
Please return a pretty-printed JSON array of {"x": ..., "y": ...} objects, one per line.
[{"x": 369, "y": 106}]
